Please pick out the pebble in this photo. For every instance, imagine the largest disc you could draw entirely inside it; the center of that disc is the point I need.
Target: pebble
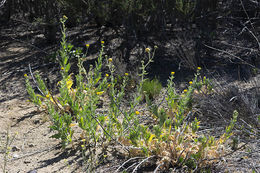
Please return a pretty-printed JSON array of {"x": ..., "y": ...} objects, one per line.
[
  {"x": 27, "y": 161},
  {"x": 15, "y": 155},
  {"x": 15, "y": 148},
  {"x": 31, "y": 145}
]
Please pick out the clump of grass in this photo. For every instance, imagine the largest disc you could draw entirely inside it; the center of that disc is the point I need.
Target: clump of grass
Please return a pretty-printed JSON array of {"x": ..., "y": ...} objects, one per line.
[{"x": 151, "y": 88}]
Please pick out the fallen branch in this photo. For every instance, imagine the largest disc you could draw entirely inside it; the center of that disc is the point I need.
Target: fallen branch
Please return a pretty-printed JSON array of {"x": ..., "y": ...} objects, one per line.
[
  {"x": 142, "y": 163},
  {"x": 232, "y": 55},
  {"x": 134, "y": 158},
  {"x": 2, "y": 3}
]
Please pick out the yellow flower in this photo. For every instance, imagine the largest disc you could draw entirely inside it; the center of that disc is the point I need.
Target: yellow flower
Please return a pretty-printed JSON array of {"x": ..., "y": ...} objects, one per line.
[
  {"x": 99, "y": 93},
  {"x": 82, "y": 146},
  {"x": 190, "y": 82},
  {"x": 185, "y": 91},
  {"x": 199, "y": 68},
  {"x": 65, "y": 17},
  {"x": 110, "y": 59},
  {"x": 102, "y": 42},
  {"x": 147, "y": 50},
  {"x": 62, "y": 68},
  {"x": 72, "y": 125},
  {"x": 172, "y": 73},
  {"x": 137, "y": 112},
  {"x": 87, "y": 45},
  {"x": 108, "y": 85},
  {"x": 107, "y": 75},
  {"x": 126, "y": 74},
  {"x": 25, "y": 75},
  {"x": 83, "y": 140},
  {"x": 155, "y": 47},
  {"x": 48, "y": 96},
  {"x": 221, "y": 140}
]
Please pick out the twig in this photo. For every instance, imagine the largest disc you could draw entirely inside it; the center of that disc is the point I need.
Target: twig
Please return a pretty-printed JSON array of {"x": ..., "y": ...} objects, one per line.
[
  {"x": 107, "y": 132},
  {"x": 120, "y": 110},
  {"x": 128, "y": 169},
  {"x": 158, "y": 167},
  {"x": 255, "y": 37},
  {"x": 232, "y": 55},
  {"x": 196, "y": 164},
  {"x": 35, "y": 80},
  {"x": 84, "y": 2},
  {"x": 249, "y": 20},
  {"x": 142, "y": 163},
  {"x": 186, "y": 119},
  {"x": 245, "y": 48},
  {"x": 39, "y": 49},
  {"x": 250, "y": 24},
  {"x": 59, "y": 107},
  {"x": 2, "y": 3},
  {"x": 134, "y": 158}
]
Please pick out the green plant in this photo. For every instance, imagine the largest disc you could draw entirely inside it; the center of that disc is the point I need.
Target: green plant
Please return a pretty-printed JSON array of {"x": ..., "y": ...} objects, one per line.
[
  {"x": 174, "y": 140},
  {"x": 5, "y": 148},
  {"x": 173, "y": 137},
  {"x": 185, "y": 8},
  {"x": 151, "y": 88}
]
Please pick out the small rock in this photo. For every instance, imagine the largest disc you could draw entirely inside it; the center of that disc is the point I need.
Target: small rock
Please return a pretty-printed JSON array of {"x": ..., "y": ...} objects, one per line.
[
  {"x": 27, "y": 161},
  {"x": 15, "y": 155},
  {"x": 15, "y": 148},
  {"x": 33, "y": 171},
  {"x": 31, "y": 145},
  {"x": 36, "y": 121}
]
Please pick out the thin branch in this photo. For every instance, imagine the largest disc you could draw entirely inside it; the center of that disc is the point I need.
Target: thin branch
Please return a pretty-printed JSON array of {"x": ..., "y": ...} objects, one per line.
[
  {"x": 134, "y": 164},
  {"x": 30, "y": 69},
  {"x": 232, "y": 55},
  {"x": 158, "y": 167},
  {"x": 2, "y": 3},
  {"x": 24, "y": 42},
  {"x": 134, "y": 158},
  {"x": 84, "y": 2},
  {"x": 58, "y": 106},
  {"x": 108, "y": 133},
  {"x": 250, "y": 24},
  {"x": 142, "y": 163},
  {"x": 245, "y": 48}
]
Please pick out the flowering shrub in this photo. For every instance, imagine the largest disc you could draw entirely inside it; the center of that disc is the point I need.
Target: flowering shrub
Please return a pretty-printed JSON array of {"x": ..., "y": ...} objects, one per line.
[{"x": 172, "y": 136}]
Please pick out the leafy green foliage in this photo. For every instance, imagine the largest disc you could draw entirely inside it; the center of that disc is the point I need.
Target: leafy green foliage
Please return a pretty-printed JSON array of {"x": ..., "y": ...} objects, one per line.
[{"x": 151, "y": 88}]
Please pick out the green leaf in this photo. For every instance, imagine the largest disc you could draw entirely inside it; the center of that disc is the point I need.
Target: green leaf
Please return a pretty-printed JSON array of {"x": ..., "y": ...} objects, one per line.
[
  {"x": 67, "y": 68},
  {"x": 151, "y": 138},
  {"x": 56, "y": 136}
]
